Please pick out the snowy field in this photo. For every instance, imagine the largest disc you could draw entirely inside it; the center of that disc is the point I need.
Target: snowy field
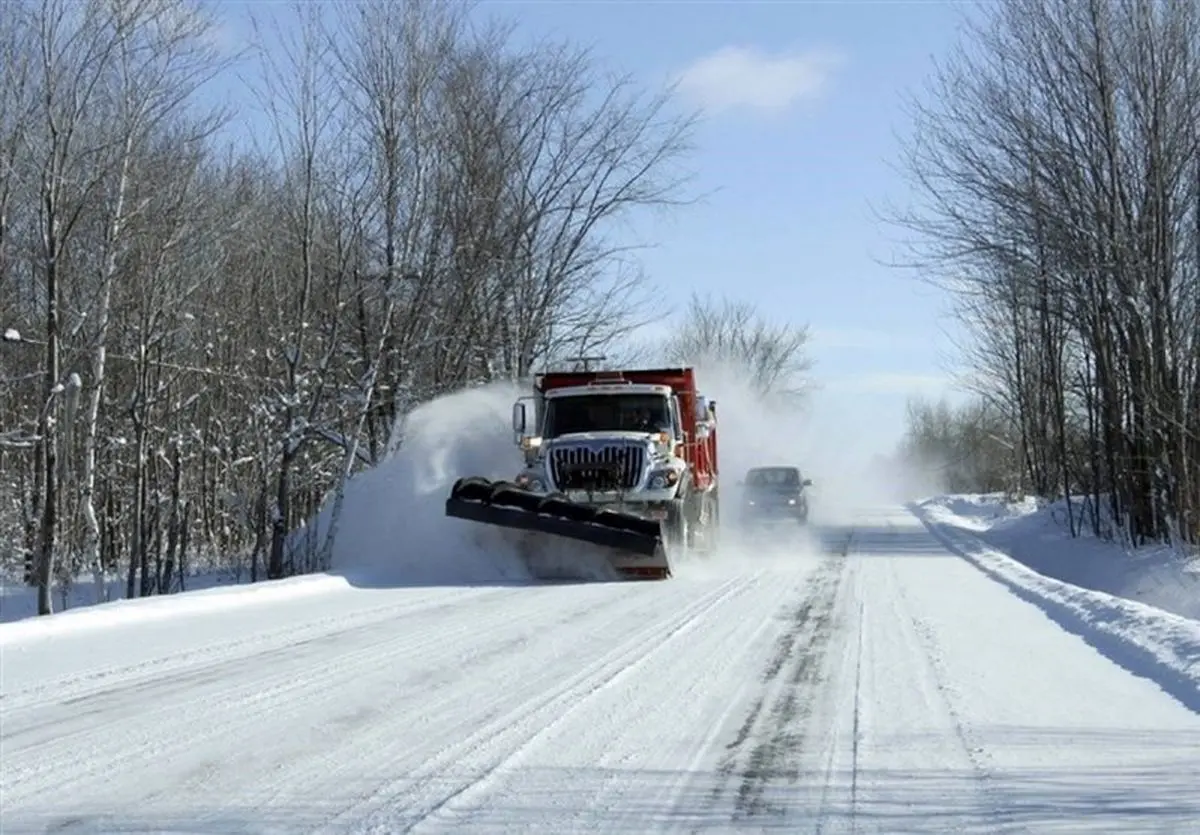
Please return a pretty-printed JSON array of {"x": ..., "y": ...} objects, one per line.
[{"x": 896, "y": 671}]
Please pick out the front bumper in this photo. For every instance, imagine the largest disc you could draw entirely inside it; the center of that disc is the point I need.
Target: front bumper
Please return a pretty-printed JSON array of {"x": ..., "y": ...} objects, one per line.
[
  {"x": 645, "y": 502},
  {"x": 651, "y": 504}
]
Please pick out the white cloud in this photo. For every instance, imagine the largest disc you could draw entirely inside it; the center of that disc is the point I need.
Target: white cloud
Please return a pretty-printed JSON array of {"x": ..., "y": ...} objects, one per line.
[{"x": 739, "y": 76}]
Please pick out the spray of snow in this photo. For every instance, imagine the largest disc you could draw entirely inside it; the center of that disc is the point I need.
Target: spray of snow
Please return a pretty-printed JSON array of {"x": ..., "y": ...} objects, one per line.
[
  {"x": 752, "y": 431},
  {"x": 393, "y": 529}
]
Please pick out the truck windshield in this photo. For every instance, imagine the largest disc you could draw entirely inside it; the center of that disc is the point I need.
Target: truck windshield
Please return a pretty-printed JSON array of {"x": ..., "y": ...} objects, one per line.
[{"x": 607, "y": 413}]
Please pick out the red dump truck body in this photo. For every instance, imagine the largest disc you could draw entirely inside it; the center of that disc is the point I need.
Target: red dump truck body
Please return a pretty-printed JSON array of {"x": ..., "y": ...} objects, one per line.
[{"x": 699, "y": 453}]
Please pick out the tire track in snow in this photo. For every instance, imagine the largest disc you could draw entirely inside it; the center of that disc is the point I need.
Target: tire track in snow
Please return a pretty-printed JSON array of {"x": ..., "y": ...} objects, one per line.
[
  {"x": 415, "y": 724},
  {"x": 634, "y": 757},
  {"x": 766, "y": 747},
  {"x": 327, "y": 763},
  {"x": 165, "y": 726},
  {"x": 501, "y": 741},
  {"x": 77, "y": 690},
  {"x": 856, "y": 729},
  {"x": 903, "y": 717},
  {"x": 925, "y": 639}
]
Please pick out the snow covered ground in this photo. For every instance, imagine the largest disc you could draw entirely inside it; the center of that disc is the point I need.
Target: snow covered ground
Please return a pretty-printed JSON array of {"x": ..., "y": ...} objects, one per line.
[
  {"x": 19, "y": 601},
  {"x": 1085, "y": 584},
  {"x": 892, "y": 673},
  {"x": 1038, "y": 535},
  {"x": 895, "y": 688}
]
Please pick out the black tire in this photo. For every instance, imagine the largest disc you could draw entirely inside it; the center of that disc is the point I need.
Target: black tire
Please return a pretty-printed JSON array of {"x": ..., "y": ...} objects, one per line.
[
  {"x": 506, "y": 494},
  {"x": 709, "y": 532},
  {"x": 627, "y": 522},
  {"x": 693, "y": 508},
  {"x": 471, "y": 489},
  {"x": 562, "y": 508},
  {"x": 675, "y": 526}
]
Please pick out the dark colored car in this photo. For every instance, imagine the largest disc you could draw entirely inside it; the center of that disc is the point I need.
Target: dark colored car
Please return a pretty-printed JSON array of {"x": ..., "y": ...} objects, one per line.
[{"x": 775, "y": 493}]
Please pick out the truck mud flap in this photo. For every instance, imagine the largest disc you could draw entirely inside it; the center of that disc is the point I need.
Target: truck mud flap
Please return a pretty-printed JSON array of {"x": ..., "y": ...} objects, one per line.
[{"x": 635, "y": 543}]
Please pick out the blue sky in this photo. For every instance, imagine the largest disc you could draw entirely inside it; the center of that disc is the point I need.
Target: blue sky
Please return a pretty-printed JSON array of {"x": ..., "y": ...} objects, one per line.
[{"x": 801, "y": 105}]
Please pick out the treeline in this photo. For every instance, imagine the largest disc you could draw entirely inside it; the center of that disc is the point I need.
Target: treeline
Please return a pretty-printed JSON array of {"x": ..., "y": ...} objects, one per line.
[
  {"x": 1057, "y": 163},
  {"x": 969, "y": 448},
  {"x": 203, "y": 335}
]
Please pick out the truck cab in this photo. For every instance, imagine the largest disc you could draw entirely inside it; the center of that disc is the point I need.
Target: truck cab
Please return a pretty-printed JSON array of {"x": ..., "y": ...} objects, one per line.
[{"x": 608, "y": 438}]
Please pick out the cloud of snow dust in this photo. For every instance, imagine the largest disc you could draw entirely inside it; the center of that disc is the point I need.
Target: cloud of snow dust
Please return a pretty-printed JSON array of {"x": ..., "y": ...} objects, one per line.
[
  {"x": 752, "y": 432},
  {"x": 393, "y": 527},
  {"x": 914, "y": 478}
]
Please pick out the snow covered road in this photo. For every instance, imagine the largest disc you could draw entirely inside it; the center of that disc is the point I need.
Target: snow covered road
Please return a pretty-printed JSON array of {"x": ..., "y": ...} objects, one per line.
[{"x": 894, "y": 688}]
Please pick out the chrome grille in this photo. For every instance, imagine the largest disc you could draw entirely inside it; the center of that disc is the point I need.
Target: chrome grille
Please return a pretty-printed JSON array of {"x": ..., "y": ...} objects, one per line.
[{"x": 617, "y": 467}]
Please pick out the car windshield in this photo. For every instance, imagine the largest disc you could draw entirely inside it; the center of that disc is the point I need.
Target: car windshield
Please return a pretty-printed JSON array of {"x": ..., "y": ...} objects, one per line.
[
  {"x": 774, "y": 477},
  {"x": 606, "y": 413}
]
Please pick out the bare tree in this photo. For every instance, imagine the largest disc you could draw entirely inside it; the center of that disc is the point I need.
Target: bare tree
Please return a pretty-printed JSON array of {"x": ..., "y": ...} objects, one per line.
[
  {"x": 736, "y": 335},
  {"x": 965, "y": 449},
  {"x": 75, "y": 57},
  {"x": 300, "y": 95},
  {"x": 1056, "y": 163},
  {"x": 162, "y": 56},
  {"x": 226, "y": 332}
]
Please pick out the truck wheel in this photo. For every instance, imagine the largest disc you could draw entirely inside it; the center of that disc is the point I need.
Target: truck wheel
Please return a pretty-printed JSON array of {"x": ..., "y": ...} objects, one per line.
[
  {"x": 677, "y": 529},
  {"x": 710, "y": 523}
]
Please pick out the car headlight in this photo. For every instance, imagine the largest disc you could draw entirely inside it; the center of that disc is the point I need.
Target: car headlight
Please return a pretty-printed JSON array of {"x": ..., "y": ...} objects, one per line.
[{"x": 791, "y": 501}]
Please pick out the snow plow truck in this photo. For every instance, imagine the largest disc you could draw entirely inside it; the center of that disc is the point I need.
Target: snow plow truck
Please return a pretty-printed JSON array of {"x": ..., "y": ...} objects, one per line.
[{"x": 620, "y": 474}]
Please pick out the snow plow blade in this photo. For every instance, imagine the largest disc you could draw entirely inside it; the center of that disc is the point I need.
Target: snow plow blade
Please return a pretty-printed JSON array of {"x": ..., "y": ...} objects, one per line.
[{"x": 634, "y": 544}]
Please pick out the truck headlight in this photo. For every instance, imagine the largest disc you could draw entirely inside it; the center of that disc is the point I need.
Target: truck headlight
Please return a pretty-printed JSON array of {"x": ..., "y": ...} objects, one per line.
[
  {"x": 662, "y": 480},
  {"x": 531, "y": 483}
]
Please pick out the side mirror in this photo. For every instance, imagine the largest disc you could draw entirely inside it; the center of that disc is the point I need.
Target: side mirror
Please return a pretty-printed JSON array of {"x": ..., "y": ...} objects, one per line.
[
  {"x": 807, "y": 482},
  {"x": 518, "y": 418}
]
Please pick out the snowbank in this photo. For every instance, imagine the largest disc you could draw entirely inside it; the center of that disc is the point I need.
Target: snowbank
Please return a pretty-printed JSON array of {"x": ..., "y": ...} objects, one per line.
[
  {"x": 1036, "y": 534},
  {"x": 18, "y": 600},
  {"x": 1021, "y": 544},
  {"x": 160, "y": 607}
]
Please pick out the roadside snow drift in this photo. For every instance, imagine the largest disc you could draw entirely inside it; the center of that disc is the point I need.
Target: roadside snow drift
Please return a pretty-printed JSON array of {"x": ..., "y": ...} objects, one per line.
[
  {"x": 147, "y": 610},
  {"x": 1146, "y": 640},
  {"x": 1036, "y": 534}
]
